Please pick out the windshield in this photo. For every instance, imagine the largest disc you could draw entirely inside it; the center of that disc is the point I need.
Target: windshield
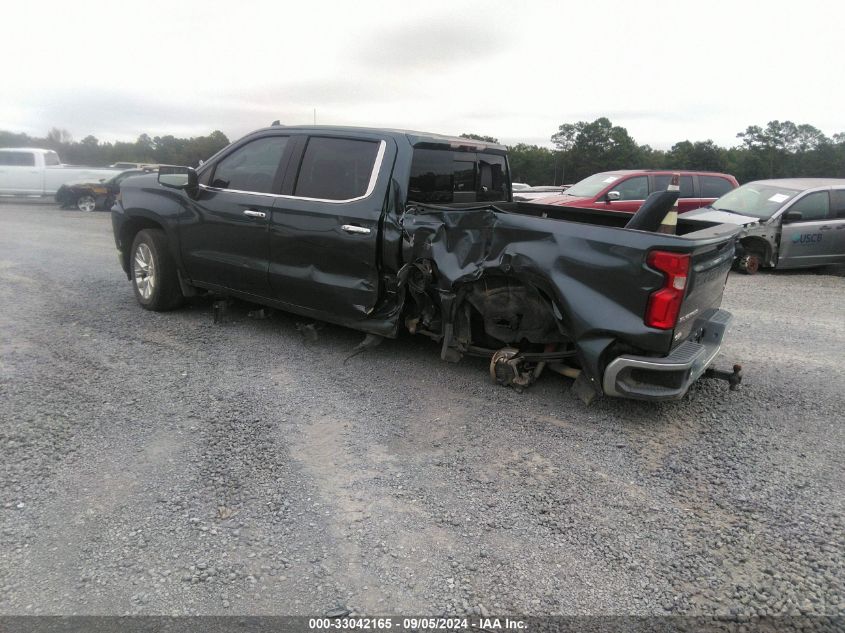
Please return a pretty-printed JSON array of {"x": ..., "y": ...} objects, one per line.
[
  {"x": 591, "y": 185},
  {"x": 756, "y": 199}
]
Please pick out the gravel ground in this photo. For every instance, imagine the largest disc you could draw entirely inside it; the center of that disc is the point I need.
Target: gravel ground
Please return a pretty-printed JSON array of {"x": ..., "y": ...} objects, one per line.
[{"x": 159, "y": 463}]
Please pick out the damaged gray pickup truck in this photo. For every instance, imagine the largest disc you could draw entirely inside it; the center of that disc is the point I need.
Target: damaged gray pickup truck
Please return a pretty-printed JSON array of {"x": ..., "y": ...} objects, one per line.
[{"x": 385, "y": 230}]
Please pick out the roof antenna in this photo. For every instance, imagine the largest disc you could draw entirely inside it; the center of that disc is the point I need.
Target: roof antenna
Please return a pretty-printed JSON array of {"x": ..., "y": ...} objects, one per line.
[
  {"x": 276, "y": 122},
  {"x": 315, "y": 116}
]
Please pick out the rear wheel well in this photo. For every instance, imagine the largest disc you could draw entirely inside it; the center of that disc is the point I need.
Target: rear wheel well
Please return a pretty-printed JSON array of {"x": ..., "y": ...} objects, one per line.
[
  {"x": 130, "y": 229},
  {"x": 509, "y": 310}
]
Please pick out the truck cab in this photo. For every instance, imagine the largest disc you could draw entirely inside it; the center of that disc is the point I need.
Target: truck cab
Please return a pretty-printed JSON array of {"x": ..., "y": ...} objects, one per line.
[{"x": 30, "y": 171}]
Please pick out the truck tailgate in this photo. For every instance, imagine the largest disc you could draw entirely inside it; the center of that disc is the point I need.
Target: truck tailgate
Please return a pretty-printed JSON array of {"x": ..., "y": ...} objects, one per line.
[{"x": 708, "y": 273}]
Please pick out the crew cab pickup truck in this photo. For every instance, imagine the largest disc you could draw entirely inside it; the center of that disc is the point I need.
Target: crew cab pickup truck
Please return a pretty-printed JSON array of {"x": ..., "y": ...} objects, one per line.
[
  {"x": 389, "y": 230},
  {"x": 26, "y": 171}
]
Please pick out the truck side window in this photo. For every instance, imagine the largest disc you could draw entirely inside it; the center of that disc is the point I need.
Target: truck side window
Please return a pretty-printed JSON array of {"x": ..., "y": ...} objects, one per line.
[
  {"x": 837, "y": 203},
  {"x": 493, "y": 176},
  {"x": 713, "y": 186},
  {"x": 813, "y": 206},
  {"x": 635, "y": 188},
  {"x": 441, "y": 176},
  {"x": 336, "y": 168},
  {"x": 51, "y": 159},
  {"x": 17, "y": 159},
  {"x": 433, "y": 177},
  {"x": 661, "y": 182},
  {"x": 251, "y": 167}
]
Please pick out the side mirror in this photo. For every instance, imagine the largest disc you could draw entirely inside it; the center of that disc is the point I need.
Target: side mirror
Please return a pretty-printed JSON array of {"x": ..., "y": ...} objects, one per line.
[
  {"x": 178, "y": 177},
  {"x": 792, "y": 216},
  {"x": 613, "y": 195}
]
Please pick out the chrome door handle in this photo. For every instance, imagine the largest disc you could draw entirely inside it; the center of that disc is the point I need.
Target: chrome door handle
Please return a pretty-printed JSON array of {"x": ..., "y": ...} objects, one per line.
[
  {"x": 358, "y": 230},
  {"x": 255, "y": 214}
]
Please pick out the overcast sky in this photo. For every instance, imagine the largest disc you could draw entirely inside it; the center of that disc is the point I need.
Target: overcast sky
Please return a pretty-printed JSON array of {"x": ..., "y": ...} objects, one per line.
[{"x": 516, "y": 70}]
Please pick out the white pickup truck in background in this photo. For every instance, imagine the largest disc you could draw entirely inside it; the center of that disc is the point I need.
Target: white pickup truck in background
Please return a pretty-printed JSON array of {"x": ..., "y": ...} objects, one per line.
[{"x": 27, "y": 171}]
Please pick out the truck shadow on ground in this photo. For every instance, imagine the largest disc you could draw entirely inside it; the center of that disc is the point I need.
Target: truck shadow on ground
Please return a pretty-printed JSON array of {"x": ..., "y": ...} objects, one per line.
[{"x": 417, "y": 357}]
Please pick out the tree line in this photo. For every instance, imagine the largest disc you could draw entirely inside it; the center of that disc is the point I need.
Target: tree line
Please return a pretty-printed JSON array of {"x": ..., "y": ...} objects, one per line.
[
  {"x": 166, "y": 150},
  {"x": 781, "y": 149}
]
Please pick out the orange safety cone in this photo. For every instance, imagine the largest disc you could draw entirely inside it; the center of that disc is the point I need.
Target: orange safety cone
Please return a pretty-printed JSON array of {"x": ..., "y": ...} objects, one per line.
[{"x": 670, "y": 221}]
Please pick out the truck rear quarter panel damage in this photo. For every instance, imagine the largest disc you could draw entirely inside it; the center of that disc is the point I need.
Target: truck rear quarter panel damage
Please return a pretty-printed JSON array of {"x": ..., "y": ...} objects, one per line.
[{"x": 595, "y": 275}]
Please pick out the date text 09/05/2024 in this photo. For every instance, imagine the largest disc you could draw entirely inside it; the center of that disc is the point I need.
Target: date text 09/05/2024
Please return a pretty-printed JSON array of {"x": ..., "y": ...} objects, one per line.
[{"x": 415, "y": 624}]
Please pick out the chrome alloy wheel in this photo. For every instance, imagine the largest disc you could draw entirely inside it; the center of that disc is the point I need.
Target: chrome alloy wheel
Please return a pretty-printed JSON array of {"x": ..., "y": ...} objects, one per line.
[
  {"x": 144, "y": 270},
  {"x": 86, "y": 203}
]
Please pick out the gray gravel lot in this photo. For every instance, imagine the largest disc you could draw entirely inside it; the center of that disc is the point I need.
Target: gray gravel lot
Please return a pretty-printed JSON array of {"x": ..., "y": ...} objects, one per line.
[{"x": 159, "y": 463}]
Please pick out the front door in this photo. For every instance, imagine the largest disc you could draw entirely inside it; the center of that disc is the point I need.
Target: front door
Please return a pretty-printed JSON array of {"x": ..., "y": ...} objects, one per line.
[
  {"x": 632, "y": 193},
  {"x": 224, "y": 237},
  {"x": 811, "y": 240},
  {"x": 324, "y": 233}
]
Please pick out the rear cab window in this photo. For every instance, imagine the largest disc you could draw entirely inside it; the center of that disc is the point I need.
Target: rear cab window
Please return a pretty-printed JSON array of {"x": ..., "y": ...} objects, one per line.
[{"x": 444, "y": 176}]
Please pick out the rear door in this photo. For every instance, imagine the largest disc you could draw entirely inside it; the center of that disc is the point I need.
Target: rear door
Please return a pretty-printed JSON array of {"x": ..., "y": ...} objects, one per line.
[
  {"x": 688, "y": 199},
  {"x": 324, "y": 229},
  {"x": 811, "y": 240},
  {"x": 225, "y": 240}
]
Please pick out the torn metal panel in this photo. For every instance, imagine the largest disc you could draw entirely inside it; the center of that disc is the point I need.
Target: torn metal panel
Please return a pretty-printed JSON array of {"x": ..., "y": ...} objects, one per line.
[{"x": 597, "y": 285}]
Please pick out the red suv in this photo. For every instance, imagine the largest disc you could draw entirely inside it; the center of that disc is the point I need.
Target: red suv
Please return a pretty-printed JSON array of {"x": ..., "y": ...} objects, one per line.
[{"x": 625, "y": 190}]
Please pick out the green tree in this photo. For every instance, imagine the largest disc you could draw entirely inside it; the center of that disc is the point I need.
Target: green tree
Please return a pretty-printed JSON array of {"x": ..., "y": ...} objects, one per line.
[
  {"x": 698, "y": 155},
  {"x": 590, "y": 147},
  {"x": 56, "y": 138},
  {"x": 535, "y": 165}
]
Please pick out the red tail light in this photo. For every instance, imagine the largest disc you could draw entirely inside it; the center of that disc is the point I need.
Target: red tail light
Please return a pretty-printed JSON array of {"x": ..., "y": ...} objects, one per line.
[{"x": 664, "y": 304}]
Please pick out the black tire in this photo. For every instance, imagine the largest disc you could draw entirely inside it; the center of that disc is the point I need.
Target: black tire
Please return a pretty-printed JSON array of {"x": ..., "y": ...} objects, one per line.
[
  {"x": 750, "y": 263},
  {"x": 86, "y": 202},
  {"x": 162, "y": 292}
]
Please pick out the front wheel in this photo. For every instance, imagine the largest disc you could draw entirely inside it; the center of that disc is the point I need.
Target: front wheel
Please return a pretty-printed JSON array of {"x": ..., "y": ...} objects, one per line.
[
  {"x": 154, "y": 277},
  {"x": 750, "y": 264},
  {"x": 86, "y": 203}
]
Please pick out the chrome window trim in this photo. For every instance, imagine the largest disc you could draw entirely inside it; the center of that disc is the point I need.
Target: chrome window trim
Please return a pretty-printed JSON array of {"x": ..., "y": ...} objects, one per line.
[{"x": 370, "y": 186}]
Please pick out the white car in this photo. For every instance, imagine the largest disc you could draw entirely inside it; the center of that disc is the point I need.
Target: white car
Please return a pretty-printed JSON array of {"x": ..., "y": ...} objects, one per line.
[{"x": 27, "y": 171}]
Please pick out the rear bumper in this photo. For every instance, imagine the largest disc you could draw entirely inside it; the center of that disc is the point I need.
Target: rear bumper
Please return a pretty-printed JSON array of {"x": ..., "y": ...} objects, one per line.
[{"x": 668, "y": 377}]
